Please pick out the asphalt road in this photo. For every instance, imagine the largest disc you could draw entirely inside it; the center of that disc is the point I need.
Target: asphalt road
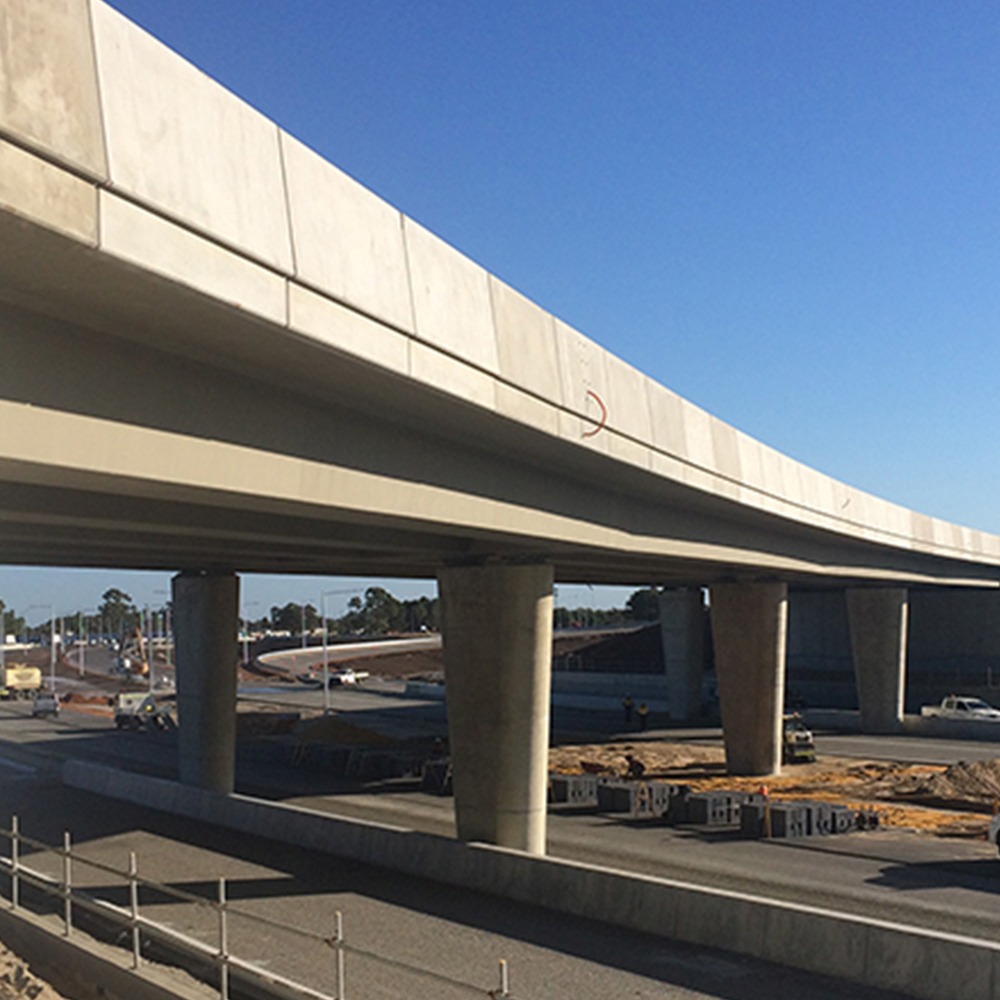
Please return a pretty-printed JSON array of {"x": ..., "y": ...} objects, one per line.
[
  {"x": 945, "y": 884},
  {"x": 406, "y": 936},
  {"x": 949, "y": 885}
]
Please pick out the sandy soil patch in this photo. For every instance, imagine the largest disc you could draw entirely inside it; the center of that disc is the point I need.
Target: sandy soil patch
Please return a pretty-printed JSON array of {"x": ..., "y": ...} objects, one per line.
[
  {"x": 18, "y": 982},
  {"x": 947, "y": 801}
]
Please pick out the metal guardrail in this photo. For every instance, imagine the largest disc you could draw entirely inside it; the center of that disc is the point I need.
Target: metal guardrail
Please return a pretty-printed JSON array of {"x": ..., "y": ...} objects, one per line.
[{"x": 218, "y": 955}]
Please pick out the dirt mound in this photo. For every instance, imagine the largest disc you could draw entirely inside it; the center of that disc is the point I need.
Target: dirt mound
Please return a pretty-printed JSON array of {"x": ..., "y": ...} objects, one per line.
[
  {"x": 331, "y": 729},
  {"x": 406, "y": 665},
  {"x": 636, "y": 650},
  {"x": 670, "y": 761},
  {"x": 251, "y": 725},
  {"x": 592, "y": 650},
  {"x": 973, "y": 785}
]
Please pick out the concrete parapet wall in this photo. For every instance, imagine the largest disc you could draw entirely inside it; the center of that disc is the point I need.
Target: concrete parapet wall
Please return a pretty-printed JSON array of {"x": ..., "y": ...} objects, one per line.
[
  {"x": 918, "y": 725},
  {"x": 596, "y": 692},
  {"x": 912, "y": 725},
  {"x": 918, "y": 962}
]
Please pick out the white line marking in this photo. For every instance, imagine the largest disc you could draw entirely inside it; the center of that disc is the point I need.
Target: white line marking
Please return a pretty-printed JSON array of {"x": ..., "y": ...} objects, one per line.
[{"x": 14, "y": 766}]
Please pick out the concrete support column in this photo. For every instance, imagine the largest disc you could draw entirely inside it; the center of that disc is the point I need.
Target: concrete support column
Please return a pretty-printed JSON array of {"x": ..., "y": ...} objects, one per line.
[
  {"x": 497, "y": 630},
  {"x": 206, "y": 609},
  {"x": 878, "y": 618},
  {"x": 682, "y": 632},
  {"x": 749, "y": 624}
]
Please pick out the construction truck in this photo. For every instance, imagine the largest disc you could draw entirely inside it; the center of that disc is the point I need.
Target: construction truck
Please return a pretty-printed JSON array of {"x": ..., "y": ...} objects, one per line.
[
  {"x": 138, "y": 710},
  {"x": 133, "y": 660},
  {"x": 798, "y": 746},
  {"x": 21, "y": 681}
]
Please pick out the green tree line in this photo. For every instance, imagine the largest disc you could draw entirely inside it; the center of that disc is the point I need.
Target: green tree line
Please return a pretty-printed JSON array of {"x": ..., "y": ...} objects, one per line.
[{"x": 376, "y": 612}]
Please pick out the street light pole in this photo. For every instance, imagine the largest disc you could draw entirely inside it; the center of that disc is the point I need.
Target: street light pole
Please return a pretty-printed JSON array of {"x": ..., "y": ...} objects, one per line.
[
  {"x": 165, "y": 621},
  {"x": 246, "y": 632},
  {"x": 326, "y": 659},
  {"x": 79, "y": 639},
  {"x": 52, "y": 640},
  {"x": 52, "y": 648},
  {"x": 147, "y": 642}
]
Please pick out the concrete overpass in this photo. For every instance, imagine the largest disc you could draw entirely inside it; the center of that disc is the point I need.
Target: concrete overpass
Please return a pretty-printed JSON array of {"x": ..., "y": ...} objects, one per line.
[{"x": 220, "y": 354}]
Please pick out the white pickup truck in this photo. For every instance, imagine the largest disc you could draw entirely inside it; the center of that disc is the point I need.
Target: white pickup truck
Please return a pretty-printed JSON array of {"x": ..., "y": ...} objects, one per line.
[{"x": 960, "y": 706}]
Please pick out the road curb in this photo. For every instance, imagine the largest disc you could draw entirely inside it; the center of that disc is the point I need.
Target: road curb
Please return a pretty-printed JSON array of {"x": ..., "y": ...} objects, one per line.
[{"x": 83, "y": 967}]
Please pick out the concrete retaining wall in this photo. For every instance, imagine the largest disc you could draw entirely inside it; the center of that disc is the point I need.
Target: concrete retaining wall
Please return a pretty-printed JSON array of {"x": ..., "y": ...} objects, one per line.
[
  {"x": 917, "y": 725},
  {"x": 913, "y": 725},
  {"x": 919, "y": 962},
  {"x": 596, "y": 692},
  {"x": 86, "y": 969}
]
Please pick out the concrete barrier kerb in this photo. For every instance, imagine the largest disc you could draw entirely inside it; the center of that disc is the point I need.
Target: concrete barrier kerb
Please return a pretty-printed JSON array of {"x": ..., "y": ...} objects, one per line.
[
  {"x": 920, "y": 962},
  {"x": 83, "y": 967}
]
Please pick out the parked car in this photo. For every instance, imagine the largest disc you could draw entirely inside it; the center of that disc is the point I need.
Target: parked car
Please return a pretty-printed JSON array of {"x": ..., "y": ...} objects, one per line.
[
  {"x": 45, "y": 703},
  {"x": 347, "y": 675},
  {"x": 961, "y": 706}
]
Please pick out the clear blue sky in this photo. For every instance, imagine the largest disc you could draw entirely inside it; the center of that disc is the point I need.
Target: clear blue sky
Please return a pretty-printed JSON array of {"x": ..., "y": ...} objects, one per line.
[{"x": 787, "y": 212}]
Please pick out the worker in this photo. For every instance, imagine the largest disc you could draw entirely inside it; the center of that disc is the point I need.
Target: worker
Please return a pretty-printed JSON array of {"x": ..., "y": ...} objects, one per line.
[
  {"x": 627, "y": 705},
  {"x": 635, "y": 769},
  {"x": 643, "y": 713}
]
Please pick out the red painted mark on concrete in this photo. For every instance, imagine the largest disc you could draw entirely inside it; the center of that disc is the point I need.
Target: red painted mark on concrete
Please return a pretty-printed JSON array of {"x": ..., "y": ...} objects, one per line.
[{"x": 604, "y": 414}]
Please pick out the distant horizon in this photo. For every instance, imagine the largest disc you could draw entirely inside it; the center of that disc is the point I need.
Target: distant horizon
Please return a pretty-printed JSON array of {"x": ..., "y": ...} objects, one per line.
[{"x": 82, "y": 590}]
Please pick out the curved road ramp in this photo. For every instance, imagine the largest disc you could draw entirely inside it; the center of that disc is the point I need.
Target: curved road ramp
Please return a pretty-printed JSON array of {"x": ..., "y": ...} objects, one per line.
[{"x": 915, "y": 961}]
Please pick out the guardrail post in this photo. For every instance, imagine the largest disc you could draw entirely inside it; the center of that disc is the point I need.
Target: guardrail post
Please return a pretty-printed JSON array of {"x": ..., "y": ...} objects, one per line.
[
  {"x": 15, "y": 860},
  {"x": 504, "y": 979},
  {"x": 341, "y": 971},
  {"x": 67, "y": 887},
  {"x": 133, "y": 898},
  {"x": 223, "y": 943}
]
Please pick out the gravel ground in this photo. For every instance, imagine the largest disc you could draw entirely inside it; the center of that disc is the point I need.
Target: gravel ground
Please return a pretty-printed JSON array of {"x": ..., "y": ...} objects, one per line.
[{"x": 18, "y": 982}]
